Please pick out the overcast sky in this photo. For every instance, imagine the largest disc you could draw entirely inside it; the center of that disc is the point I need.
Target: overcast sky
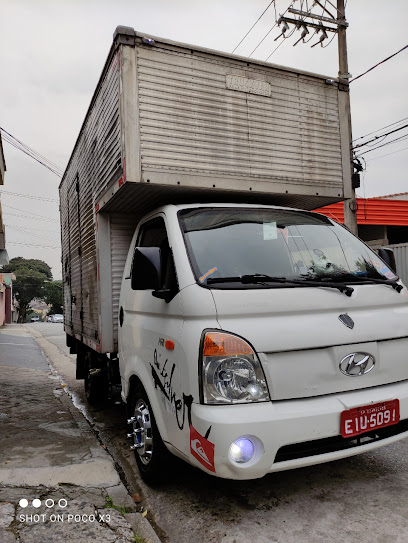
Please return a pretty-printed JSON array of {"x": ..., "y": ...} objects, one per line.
[{"x": 52, "y": 53}]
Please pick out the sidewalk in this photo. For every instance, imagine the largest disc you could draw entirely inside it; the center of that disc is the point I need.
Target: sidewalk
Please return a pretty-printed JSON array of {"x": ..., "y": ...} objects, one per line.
[{"x": 57, "y": 482}]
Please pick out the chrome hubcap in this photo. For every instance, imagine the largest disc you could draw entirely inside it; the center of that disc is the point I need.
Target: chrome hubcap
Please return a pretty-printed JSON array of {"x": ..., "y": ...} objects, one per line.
[{"x": 142, "y": 432}]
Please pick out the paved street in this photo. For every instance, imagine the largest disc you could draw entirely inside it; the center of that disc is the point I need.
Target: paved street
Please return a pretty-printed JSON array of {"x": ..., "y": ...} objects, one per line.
[
  {"x": 362, "y": 498},
  {"x": 19, "y": 351},
  {"x": 57, "y": 482}
]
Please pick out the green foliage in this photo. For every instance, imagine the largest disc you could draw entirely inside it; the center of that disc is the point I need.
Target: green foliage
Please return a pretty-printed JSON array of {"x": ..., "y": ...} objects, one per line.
[
  {"x": 28, "y": 263},
  {"x": 109, "y": 505},
  {"x": 53, "y": 296},
  {"x": 108, "y": 502},
  {"x": 31, "y": 277}
]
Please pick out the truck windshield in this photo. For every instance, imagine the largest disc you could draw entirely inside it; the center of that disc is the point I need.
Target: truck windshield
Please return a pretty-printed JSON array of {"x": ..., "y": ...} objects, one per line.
[{"x": 228, "y": 244}]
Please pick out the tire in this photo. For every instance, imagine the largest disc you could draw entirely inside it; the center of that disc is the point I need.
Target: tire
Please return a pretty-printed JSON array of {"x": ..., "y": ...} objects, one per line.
[
  {"x": 152, "y": 457},
  {"x": 95, "y": 381}
]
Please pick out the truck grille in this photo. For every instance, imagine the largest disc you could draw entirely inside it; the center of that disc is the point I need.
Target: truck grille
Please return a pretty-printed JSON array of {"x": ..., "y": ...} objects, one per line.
[{"x": 337, "y": 443}]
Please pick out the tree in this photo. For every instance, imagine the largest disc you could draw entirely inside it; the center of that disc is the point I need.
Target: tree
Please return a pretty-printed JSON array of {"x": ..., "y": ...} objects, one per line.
[
  {"x": 31, "y": 277},
  {"x": 30, "y": 264},
  {"x": 53, "y": 296}
]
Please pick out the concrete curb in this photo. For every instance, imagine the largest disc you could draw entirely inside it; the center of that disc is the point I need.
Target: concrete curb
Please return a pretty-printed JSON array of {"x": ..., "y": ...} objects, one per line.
[{"x": 94, "y": 486}]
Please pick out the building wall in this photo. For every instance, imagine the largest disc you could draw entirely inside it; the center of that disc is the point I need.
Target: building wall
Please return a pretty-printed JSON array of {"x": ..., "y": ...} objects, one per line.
[
  {"x": 6, "y": 298},
  {"x": 373, "y": 233},
  {"x": 2, "y": 304},
  {"x": 401, "y": 196},
  {"x": 9, "y": 306},
  {"x": 3, "y": 252}
]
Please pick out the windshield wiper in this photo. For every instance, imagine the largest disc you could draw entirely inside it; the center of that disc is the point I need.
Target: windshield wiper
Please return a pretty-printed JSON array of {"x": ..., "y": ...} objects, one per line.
[
  {"x": 261, "y": 278},
  {"x": 345, "y": 277}
]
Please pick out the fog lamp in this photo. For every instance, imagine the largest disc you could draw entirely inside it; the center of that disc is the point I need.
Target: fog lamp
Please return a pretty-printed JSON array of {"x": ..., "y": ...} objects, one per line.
[{"x": 242, "y": 450}]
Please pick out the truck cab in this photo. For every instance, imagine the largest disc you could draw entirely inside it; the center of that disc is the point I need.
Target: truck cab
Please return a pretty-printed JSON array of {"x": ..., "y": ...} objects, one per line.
[{"x": 255, "y": 339}]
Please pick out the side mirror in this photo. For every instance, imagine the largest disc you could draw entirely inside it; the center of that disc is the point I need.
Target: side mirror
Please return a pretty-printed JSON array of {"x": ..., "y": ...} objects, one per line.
[
  {"x": 146, "y": 269},
  {"x": 388, "y": 256}
]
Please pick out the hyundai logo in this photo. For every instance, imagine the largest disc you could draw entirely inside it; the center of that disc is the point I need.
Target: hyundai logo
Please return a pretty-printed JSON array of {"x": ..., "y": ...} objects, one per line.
[{"x": 356, "y": 364}]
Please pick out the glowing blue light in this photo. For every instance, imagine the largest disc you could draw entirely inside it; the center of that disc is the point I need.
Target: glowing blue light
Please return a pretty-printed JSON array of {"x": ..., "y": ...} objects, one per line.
[{"x": 242, "y": 450}]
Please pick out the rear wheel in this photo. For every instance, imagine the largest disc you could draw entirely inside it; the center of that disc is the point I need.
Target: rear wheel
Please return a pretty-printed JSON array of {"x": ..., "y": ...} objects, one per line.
[
  {"x": 152, "y": 457},
  {"x": 95, "y": 380}
]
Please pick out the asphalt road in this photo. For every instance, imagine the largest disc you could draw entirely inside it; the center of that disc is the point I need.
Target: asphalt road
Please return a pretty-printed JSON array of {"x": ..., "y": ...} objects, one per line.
[
  {"x": 360, "y": 499},
  {"x": 21, "y": 352}
]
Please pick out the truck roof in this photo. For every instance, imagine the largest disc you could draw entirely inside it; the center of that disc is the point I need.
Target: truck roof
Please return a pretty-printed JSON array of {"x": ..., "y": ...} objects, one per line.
[
  {"x": 127, "y": 35},
  {"x": 129, "y": 31}
]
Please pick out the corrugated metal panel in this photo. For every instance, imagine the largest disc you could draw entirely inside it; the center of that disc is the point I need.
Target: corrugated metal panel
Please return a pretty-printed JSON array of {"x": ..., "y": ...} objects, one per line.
[
  {"x": 190, "y": 122},
  {"x": 75, "y": 281},
  {"x": 122, "y": 228},
  {"x": 401, "y": 260},
  {"x": 372, "y": 211},
  {"x": 95, "y": 161}
]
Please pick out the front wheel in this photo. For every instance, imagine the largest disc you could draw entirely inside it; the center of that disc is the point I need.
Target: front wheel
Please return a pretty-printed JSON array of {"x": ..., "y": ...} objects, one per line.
[{"x": 152, "y": 457}]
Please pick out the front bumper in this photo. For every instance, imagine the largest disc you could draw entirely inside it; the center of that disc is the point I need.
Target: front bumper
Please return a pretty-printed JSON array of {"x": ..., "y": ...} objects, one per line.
[{"x": 283, "y": 430}]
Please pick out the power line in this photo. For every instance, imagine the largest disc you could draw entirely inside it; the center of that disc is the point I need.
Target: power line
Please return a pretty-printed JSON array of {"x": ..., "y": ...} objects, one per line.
[
  {"x": 257, "y": 21},
  {"x": 27, "y": 231},
  {"x": 33, "y": 218},
  {"x": 266, "y": 35},
  {"x": 401, "y": 138},
  {"x": 276, "y": 22},
  {"x": 274, "y": 51},
  {"x": 30, "y": 229},
  {"x": 380, "y": 136},
  {"x": 383, "y": 128},
  {"x": 33, "y": 215},
  {"x": 12, "y": 140},
  {"x": 31, "y": 196},
  {"x": 30, "y": 149},
  {"x": 378, "y": 64},
  {"x": 388, "y": 154},
  {"x": 33, "y": 245},
  {"x": 56, "y": 172}
]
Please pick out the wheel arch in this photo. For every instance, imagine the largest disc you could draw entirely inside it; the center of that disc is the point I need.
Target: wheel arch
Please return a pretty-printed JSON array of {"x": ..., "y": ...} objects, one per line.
[{"x": 155, "y": 403}]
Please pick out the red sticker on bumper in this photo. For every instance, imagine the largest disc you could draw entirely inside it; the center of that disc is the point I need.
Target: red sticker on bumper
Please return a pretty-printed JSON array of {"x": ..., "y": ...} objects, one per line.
[{"x": 202, "y": 449}]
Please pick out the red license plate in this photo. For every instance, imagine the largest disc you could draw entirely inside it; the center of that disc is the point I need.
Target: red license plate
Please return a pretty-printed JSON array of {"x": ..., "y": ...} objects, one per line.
[{"x": 360, "y": 420}]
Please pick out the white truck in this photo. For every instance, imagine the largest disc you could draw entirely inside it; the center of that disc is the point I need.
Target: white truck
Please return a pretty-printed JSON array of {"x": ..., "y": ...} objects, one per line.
[{"x": 248, "y": 337}]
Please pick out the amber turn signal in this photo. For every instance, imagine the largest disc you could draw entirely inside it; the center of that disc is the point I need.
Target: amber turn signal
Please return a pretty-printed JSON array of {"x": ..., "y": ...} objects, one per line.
[{"x": 219, "y": 344}]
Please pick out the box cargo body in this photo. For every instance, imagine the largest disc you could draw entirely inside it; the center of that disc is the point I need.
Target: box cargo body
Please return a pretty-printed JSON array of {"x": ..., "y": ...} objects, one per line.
[{"x": 172, "y": 123}]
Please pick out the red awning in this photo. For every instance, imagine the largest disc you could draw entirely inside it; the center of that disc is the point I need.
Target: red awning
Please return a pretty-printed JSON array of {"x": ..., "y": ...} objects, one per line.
[{"x": 372, "y": 211}]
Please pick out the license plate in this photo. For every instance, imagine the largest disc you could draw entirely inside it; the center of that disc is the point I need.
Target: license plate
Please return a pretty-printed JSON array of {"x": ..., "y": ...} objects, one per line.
[{"x": 360, "y": 420}]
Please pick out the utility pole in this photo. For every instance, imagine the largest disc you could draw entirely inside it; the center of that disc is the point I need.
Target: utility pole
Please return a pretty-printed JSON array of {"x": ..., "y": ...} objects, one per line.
[
  {"x": 350, "y": 205},
  {"x": 329, "y": 23}
]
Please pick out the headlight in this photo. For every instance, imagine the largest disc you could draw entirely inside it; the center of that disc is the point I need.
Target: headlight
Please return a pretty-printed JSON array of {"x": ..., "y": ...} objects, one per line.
[{"x": 231, "y": 372}]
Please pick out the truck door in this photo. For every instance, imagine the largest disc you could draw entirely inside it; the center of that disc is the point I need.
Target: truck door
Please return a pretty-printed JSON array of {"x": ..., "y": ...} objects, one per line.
[{"x": 149, "y": 333}]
